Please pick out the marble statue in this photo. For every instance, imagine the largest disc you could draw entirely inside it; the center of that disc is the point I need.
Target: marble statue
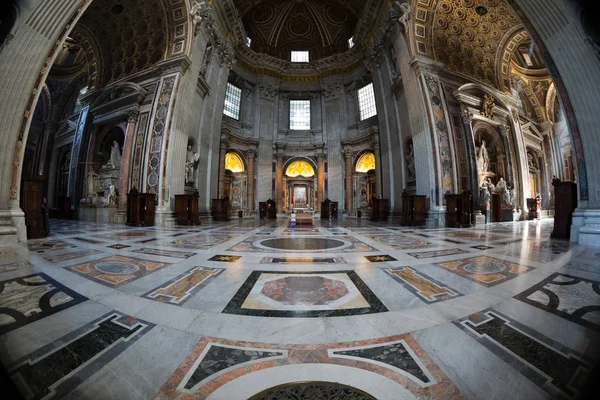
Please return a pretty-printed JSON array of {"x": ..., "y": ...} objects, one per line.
[
  {"x": 191, "y": 160},
  {"x": 488, "y": 107},
  {"x": 115, "y": 156},
  {"x": 483, "y": 159},
  {"x": 111, "y": 196},
  {"x": 410, "y": 161},
  {"x": 484, "y": 194},
  {"x": 503, "y": 189}
]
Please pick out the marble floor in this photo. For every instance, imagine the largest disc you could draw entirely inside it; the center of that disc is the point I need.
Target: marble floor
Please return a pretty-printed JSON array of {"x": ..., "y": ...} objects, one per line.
[{"x": 340, "y": 310}]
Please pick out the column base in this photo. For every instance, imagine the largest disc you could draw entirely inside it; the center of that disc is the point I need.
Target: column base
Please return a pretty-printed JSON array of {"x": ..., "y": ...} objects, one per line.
[
  {"x": 479, "y": 218},
  {"x": 585, "y": 228},
  {"x": 436, "y": 218},
  {"x": 164, "y": 218},
  {"x": 12, "y": 226}
]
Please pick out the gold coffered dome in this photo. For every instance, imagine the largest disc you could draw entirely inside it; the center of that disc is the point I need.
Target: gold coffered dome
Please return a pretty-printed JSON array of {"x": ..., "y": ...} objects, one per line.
[{"x": 322, "y": 27}]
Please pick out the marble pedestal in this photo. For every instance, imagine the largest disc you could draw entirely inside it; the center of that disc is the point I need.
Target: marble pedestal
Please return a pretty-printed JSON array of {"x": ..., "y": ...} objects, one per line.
[{"x": 108, "y": 214}]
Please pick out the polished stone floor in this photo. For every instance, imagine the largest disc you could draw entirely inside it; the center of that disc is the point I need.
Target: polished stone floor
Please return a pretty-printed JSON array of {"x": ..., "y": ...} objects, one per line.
[{"x": 260, "y": 310}]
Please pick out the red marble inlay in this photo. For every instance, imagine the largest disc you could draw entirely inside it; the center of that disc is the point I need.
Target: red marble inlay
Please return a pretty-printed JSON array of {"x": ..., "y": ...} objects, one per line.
[{"x": 310, "y": 354}]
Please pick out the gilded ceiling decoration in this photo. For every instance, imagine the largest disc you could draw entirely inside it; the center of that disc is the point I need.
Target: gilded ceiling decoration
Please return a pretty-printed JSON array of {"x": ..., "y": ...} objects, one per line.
[
  {"x": 300, "y": 168},
  {"x": 466, "y": 41},
  {"x": 463, "y": 35},
  {"x": 366, "y": 162},
  {"x": 322, "y": 27},
  {"x": 234, "y": 162},
  {"x": 133, "y": 35}
]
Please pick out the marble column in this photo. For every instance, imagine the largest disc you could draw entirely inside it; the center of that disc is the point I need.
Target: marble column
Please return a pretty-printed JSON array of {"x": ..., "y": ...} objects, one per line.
[
  {"x": 251, "y": 184},
  {"x": 378, "y": 164},
  {"x": 279, "y": 188},
  {"x": 132, "y": 119},
  {"x": 222, "y": 152},
  {"x": 348, "y": 156},
  {"x": 467, "y": 119},
  {"x": 320, "y": 179}
]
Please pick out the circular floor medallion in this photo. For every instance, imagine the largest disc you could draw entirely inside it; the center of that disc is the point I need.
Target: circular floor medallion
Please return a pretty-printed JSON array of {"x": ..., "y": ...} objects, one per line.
[
  {"x": 116, "y": 267},
  {"x": 298, "y": 244},
  {"x": 485, "y": 267},
  {"x": 311, "y": 391}
]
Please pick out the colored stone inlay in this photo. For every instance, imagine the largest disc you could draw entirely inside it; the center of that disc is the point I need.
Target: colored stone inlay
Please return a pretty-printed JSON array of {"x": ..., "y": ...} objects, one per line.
[
  {"x": 117, "y": 270},
  {"x": 563, "y": 370},
  {"x": 183, "y": 287},
  {"x": 487, "y": 271},
  {"x": 30, "y": 298},
  {"x": 422, "y": 285},
  {"x": 573, "y": 298},
  {"x": 304, "y": 294},
  {"x": 215, "y": 362}
]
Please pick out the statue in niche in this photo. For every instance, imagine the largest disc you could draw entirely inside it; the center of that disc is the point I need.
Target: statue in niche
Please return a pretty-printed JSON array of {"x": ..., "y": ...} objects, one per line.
[
  {"x": 483, "y": 158},
  {"x": 410, "y": 161},
  {"x": 191, "y": 161},
  {"x": 115, "y": 156},
  {"x": 503, "y": 189},
  {"x": 488, "y": 107}
]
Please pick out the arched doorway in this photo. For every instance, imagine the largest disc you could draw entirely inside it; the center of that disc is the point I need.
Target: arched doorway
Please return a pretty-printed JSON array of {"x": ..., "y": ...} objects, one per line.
[
  {"x": 364, "y": 185},
  {"x": 236, "y": 182},
  {"x": 300, "y": 183}
]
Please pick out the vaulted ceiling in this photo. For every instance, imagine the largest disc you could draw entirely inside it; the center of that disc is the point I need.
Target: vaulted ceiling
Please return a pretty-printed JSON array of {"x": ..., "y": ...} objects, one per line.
[
  {"x": 322, "y": 27},
  {"x": 468, "y": 33},
  {"x": 131, "y": 35}
]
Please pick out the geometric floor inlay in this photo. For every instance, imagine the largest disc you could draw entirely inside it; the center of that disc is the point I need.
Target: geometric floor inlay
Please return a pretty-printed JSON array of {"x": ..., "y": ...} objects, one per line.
[
  {"x": 258, "y": 244},
  {"x": 312, "y": 390},
  {"x": 302, "y": 260},
  {"x": 423, "y": 286},
  {"x": 214, "y": 362},
  {"x": 304, "y": 294},
  {"x": 400, "y": 242},
  {"x": 555, "y": 368},
  {"x": 115, "y": 271},
  {"x": 570, "y": 297},
  {"x": 383, "y": 258},
  {"x": 165, "y": 253},
  {"x": 200, "y": 242},
  {"x": 487, "y": 271},
  {"x": 58, "y": 368},
  {"x": 29, "y": 298},
  {"x": 437, "y": 253},
  {"x": 223, "y": 258},
  {"x": 181, "y": 288}
]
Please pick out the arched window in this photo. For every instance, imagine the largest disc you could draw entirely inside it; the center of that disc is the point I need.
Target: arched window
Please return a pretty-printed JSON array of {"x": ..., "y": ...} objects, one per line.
[
  {"x": 302, "y": 168},
  {"x": 234, "y": 162},
  {"x": 366, "y": 162}
]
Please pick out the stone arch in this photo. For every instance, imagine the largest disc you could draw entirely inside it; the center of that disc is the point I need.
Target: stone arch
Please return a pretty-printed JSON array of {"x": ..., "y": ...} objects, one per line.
[
  {"x": 494, "y": 144},
  {"x": 362, "y": 154},
  {"x": 305, "y": 159},
  {"x": 93, "y": 54},
  {"x": 240, "y": 155},
  {"x": 42, "y": 39},
  {"x": 511, "y": 42}
]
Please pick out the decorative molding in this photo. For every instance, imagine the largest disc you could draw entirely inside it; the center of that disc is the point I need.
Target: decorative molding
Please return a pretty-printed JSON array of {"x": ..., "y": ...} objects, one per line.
[{"x": 268, "y": 92}]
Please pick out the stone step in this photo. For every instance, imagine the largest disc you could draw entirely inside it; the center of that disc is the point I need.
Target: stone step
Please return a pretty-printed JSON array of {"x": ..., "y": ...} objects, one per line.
[{"x": 8, "y": 235}]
